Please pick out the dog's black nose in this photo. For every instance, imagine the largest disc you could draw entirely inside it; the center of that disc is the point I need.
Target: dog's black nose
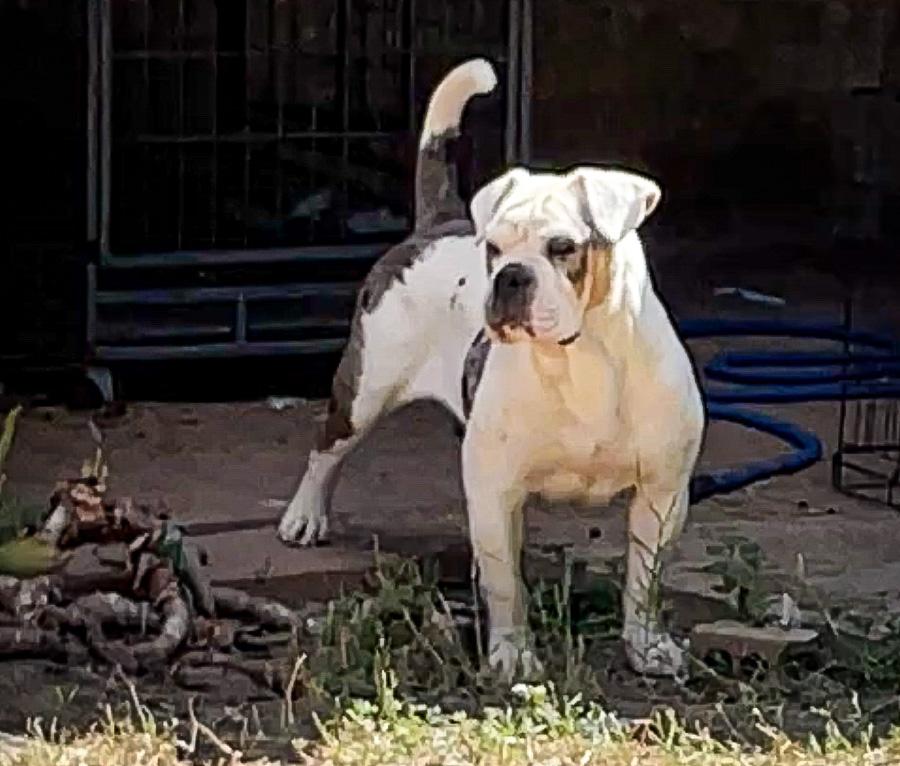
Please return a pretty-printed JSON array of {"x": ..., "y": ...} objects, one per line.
[{"x": 513, "y": 279}]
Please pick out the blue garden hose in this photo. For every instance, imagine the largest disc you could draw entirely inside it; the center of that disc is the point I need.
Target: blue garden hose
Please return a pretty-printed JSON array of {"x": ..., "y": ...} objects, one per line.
[{"x": 775, "y": 377}]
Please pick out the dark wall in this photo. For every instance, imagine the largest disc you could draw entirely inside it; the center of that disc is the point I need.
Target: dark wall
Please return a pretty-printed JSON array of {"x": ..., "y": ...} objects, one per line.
[
  {"x": 752, "y": 113},
  {"x": 747, "y": 110},
  {"x": 42, "y": 148}
]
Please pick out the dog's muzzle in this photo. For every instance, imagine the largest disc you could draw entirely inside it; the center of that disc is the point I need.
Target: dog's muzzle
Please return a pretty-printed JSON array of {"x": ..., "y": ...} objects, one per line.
[{"x": 511, "y": 297}]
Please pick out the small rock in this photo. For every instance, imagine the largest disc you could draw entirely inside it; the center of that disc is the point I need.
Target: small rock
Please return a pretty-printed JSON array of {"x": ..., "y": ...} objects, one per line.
[
  {"x": 112, "y": 555},
  {"x": 86, "y": 573},
  {"x": 279, "y": 403},
  {"x": 810, "y": 510}
]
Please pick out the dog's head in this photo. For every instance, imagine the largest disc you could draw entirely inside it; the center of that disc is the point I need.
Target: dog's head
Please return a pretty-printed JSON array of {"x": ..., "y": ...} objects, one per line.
[{"x": 548, "y": 240}]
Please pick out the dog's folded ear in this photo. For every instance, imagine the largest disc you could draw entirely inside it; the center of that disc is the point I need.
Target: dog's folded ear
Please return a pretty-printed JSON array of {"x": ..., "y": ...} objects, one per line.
[
  {"x": 489, "y": 198},
  {"x": 614, "y": 202}
]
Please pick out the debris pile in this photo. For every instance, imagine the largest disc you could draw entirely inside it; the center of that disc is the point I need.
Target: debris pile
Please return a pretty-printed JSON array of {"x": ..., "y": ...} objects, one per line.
[{"x": 125, "y": 587}]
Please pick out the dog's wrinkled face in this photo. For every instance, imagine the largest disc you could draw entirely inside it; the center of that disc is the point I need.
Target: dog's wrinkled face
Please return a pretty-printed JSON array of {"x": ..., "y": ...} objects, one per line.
[{"x": 548, "y": 240}]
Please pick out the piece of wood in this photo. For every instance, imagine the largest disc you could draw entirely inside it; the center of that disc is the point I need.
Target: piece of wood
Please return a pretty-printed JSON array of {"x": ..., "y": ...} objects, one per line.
[{"x": 739, "y": 640}]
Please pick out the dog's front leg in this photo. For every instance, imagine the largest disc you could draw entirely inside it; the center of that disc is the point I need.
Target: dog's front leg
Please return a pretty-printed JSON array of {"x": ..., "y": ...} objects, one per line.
[
  {"x": 496, "y": 529},
  {"x": 655, "y": 519}
]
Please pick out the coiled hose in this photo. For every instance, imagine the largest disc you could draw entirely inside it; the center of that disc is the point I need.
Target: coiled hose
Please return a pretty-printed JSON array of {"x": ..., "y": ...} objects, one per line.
[{"x": 775, "y": 377}]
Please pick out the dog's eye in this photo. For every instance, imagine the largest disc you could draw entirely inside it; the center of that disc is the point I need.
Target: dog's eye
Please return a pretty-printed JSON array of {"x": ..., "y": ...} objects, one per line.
[
  {"x": 492, "y": 250},
  {"x": 558, "y": 247}
]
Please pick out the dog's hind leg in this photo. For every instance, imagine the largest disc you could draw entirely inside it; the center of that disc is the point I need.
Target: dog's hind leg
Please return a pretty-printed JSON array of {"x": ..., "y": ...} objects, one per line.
[{"x": 367, "y": 385}]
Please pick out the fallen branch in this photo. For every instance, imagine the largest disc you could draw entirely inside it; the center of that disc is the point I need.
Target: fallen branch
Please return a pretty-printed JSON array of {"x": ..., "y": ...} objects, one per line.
[
  {"x": 143, "y": 581},
  {"x": 165, "y": 594},
  {"x": 18, "y": 643},
  {"x": 261, "y": 672},
  {"x": 196, "y": 581},
  {"x": 22, "y": 598},
  {"x": 268, "y": 614},
  {"x": 72, "y": 620},
  {"x": 113, "y": 609}
]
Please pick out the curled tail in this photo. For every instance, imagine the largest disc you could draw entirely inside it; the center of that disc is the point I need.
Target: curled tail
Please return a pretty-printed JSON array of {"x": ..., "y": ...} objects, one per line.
[{"x": 437, "y": 196}]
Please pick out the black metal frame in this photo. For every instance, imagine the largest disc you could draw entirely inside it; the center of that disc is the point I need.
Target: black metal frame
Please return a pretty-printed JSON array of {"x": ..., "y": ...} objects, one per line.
[
  {"x": 866, "y": 462},
  {"x": 141, "y": 280}
]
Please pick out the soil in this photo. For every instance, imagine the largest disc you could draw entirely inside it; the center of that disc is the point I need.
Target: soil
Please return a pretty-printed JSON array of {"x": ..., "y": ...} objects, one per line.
[{"x": 227, "y": 468}]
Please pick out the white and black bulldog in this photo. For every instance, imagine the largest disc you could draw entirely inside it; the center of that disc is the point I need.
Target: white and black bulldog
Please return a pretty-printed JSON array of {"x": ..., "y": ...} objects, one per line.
[{"x": 538, "y": 326}]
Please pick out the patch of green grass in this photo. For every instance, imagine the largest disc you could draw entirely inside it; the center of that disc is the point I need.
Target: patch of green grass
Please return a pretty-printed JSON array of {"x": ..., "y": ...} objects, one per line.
[
  {"x": 537, "y": 727},
  {"x": 22, "y": 558},
  {"x": 739, "y": 563},
  {"x": 433, "y": 642},
  {"x": 544, "y": 729}
]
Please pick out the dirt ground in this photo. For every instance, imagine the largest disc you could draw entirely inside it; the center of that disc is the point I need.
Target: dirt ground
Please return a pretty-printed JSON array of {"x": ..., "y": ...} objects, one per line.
[{"x": 227, "y": 468}]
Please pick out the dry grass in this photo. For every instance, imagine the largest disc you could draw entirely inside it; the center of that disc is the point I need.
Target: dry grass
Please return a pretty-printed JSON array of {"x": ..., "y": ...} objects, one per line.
[{"x": 538, "y": 729}]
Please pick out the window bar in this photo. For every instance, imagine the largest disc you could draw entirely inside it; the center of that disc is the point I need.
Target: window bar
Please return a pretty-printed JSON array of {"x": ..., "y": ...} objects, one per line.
[
  {"x": 105, "y": 124},
  {"x": 145, "y": 154},
  {"x": 310, "y": 171},
  {"x": 215, "y": 127},
  {"x": 345, "y": 37},
  {"x": 278, "y": 50},
  {"x": 527, "y": 80},
  {"x": 246, "y": 118},
  {"x": 478, "y": 16},
  {"x": 409, "y": 41},
  {"x": 93, "y": 65},
  {"x": 512, "y": 81},
  {"x": 180, "y": 32},
  {"x": 448, "y": 22},
  {"x": 240, "y": 330}
]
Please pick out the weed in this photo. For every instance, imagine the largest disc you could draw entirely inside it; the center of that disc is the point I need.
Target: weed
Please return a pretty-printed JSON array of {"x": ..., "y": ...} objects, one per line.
[{"x": 739, "y": 563}]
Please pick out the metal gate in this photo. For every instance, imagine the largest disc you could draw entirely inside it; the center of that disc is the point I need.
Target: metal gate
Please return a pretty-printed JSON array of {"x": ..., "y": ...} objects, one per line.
[{"x": 248, "y": 160}]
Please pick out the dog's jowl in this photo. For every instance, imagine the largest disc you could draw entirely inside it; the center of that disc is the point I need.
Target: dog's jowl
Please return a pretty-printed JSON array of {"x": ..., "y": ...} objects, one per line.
[{"x": 538, "y": 326}]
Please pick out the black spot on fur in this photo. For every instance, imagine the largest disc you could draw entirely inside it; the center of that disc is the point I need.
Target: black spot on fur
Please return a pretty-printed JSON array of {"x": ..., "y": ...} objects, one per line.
[{"x": 473, "y": 369}]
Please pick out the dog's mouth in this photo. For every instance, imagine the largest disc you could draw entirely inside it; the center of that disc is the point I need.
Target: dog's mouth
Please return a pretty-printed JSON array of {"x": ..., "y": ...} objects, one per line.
[
  {"x": 540, "y": 326},
  {"x": 509, "y": 332}
]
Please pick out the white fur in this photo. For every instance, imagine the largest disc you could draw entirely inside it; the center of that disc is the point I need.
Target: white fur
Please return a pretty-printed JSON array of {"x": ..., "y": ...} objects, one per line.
[
  {"x": 446, "y": 106},
  {"x": 619, "y": 408},
  {"x": 414, "y": 347}
]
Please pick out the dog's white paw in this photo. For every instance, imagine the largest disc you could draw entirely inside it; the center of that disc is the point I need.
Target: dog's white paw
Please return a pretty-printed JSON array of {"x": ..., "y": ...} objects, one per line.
[
  {"x": 654, "y": 653},
  {"x": 511, "y": 656},
  {"x": 303, "y": 523}
]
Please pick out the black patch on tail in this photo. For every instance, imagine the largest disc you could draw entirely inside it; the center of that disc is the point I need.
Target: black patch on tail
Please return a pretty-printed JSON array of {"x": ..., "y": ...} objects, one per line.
[{"x": 438, "y": 200}]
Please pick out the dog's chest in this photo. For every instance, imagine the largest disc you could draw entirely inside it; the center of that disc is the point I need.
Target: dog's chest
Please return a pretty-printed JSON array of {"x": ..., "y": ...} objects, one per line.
[
  {"x": 576, "y": 461},
  {"x": 579, "y": 440}
]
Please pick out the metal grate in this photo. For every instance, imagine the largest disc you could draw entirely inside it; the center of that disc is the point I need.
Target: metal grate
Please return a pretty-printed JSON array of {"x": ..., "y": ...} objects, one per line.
[
  {"x": 255, "y": 124},
  {"x": 866, "y": 463},
  {"x": 247, "y": 160}
]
